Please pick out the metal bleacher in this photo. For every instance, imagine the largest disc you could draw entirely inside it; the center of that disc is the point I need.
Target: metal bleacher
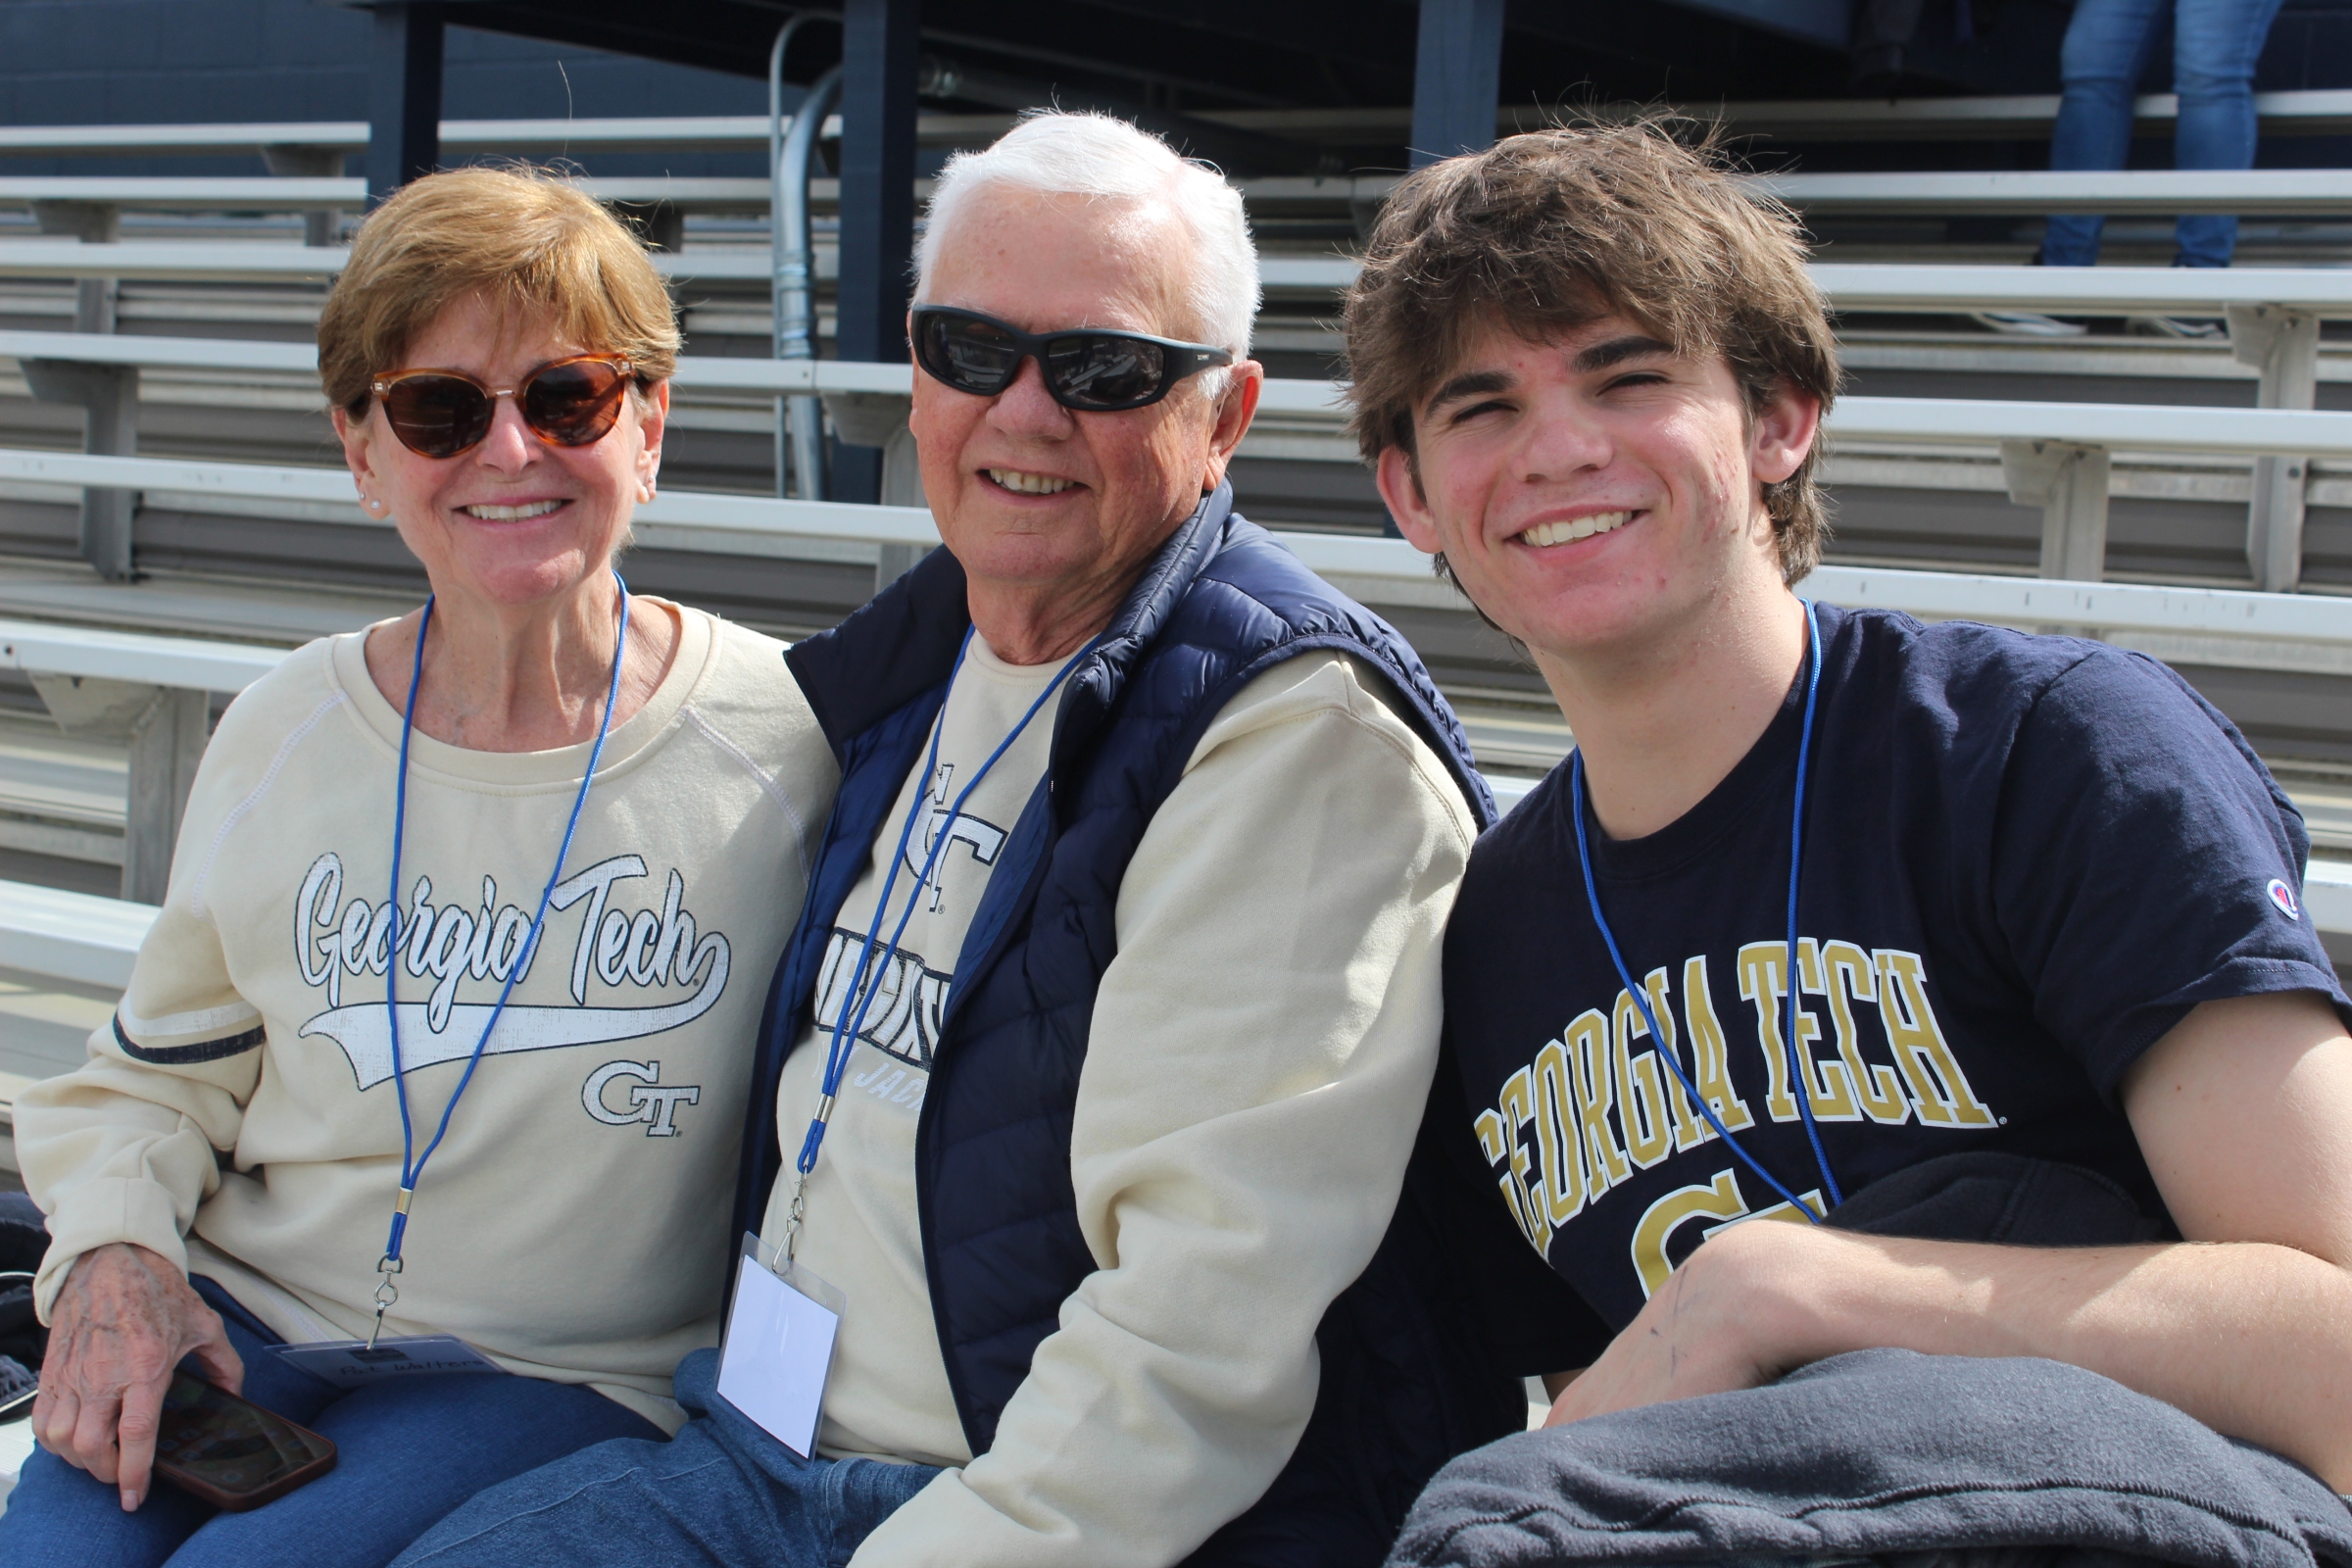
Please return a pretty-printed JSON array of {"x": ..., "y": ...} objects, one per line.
[
  {"x": 2281, "y": 114},
  {"x": 1976, "y": 478}
]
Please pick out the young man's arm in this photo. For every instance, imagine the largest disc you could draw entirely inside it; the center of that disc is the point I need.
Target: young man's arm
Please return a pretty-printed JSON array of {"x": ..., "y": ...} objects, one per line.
[{"x": 2244, "y": 1113}]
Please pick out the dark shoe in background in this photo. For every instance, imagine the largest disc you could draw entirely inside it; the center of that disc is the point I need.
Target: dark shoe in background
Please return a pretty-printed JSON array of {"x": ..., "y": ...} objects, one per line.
[
  {"x": 2027, "y": 324},
  {"x": 2180, "y": 327}
]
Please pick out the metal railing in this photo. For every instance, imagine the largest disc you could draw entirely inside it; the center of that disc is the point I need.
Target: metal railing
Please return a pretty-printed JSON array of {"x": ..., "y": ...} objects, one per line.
[
  {"x": 2018, "y": 116},
  {"x": 238, "y": 262},
  {"x": 1377, "y": 570},
  {"x": 748, "y": 519},
  {"x": 2278, "y": 192},
  {"x": 2055, "y": 455},
  {"x": 181, "y": 193},
  {"x": 686, "y": 134}
]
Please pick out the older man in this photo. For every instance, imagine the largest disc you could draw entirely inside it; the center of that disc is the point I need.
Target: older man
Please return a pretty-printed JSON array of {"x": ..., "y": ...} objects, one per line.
[{"x": 1093, "y": 1072}]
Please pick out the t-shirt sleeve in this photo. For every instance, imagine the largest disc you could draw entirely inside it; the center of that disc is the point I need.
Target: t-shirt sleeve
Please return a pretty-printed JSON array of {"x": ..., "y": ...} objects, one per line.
[{"x": 2143, "y": 863}]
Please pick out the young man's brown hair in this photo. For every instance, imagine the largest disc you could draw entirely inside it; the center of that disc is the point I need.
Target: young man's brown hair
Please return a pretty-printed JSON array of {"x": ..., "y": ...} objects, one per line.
[{"x": 1544, "y": 232}]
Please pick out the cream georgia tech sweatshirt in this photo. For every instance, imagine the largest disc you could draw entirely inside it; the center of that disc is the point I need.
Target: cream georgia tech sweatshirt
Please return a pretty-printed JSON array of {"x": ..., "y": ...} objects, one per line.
[{"x": 239, "y": 1115}]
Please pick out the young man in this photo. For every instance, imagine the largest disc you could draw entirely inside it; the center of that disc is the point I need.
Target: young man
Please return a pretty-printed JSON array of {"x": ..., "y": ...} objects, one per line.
[{"x": 2045, "y": 913}]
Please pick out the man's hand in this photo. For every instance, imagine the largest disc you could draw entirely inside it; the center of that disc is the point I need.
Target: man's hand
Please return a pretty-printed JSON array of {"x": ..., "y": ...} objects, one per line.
[
  {"x": 121, "y": 1324},
  {"x": 1698, "y": 1335},
  {"x": 2242, "y": 1111}
]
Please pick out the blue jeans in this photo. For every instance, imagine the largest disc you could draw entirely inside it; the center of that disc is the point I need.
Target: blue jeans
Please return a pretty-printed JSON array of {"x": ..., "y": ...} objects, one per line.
[
  {"x": 406, "y": 1454},
  {"x": 2108, "y": 45},
  {"x": 721, "y": 1491}
]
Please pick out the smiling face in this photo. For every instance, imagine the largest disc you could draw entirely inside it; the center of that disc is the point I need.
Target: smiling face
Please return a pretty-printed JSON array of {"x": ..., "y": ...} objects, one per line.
[
  {"x": 1598, "y": 491},
  {"x": 516, "y": 521},
  {"x": 1046, "y": 509}
]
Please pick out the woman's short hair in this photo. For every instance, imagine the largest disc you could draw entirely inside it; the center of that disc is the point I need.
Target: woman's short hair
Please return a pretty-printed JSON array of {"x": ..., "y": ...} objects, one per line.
[
  {"x": 1106, "y": 159},
  {"x": 1546, "y": 231},
  {"x": 524, "y": 238}
]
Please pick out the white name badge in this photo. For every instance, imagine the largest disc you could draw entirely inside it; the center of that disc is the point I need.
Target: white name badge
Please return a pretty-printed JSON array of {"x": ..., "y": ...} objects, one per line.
[
  {"x": 779, "y": 1348},
  {"x": 351, "y": 1362}
]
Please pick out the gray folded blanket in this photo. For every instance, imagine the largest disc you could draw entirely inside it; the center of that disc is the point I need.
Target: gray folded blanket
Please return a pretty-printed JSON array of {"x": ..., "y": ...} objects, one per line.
[{"x": 1880, "y": 1456}]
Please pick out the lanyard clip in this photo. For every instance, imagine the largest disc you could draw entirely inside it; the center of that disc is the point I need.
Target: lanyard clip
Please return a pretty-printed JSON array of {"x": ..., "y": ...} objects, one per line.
[
  {"x": 386, "y": 1293},
  {"x": 798, "y": 1213}
]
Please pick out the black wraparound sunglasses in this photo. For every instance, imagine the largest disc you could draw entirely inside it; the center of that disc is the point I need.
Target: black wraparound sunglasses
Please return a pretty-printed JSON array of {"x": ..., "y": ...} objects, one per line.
[{"x": 1093, "y": 371}]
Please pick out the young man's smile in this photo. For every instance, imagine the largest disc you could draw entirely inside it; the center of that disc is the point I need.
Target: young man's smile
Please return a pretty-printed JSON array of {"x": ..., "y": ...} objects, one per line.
[{"x": 1568, "y": 530}]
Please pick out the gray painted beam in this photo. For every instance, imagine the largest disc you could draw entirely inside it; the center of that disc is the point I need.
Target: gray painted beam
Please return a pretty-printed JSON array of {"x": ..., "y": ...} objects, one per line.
[
  {"x": 878, "y": 59},
  {"x": 405, "y": 111},
  {"x": 1457, "y": 68}
]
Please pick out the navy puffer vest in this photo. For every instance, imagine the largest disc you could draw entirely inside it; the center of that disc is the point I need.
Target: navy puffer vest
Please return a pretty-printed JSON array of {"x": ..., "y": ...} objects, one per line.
[{"x": 1404, "y": 1381}]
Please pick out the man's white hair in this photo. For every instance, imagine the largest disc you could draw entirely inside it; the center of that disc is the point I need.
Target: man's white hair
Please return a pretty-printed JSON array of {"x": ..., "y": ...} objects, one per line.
[{"x": 1106, "y": 159}]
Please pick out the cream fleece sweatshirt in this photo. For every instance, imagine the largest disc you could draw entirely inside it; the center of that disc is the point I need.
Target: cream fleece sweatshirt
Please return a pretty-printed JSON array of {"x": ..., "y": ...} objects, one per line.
[
  {"x": 1262, "y": 1048},
  {"x": 243, "y": 1098}
]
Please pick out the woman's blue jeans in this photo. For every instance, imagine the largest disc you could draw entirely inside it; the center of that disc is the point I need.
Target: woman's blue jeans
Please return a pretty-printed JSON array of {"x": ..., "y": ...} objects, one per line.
[
  {"x": 406, "y": 1454},
  {"x": 2108, "y": 46}
]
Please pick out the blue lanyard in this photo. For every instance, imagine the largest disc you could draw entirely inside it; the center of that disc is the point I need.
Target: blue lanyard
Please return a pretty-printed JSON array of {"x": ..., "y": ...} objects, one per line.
[
  {"x": 1796, "y": 860},
  {"x": 412, "y": 1170},
  {"x": 846, "y": 1029}
]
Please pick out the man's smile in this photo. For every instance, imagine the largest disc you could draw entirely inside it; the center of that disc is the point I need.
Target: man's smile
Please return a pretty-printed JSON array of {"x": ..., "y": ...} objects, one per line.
[
  {"x": 1029, "y": 484},
  {"x": 1567, "y": 529}
]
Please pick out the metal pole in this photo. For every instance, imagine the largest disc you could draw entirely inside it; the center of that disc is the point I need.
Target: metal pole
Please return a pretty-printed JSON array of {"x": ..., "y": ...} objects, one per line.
[
  {"x": 167, "y": 742},
  {"x": 109, "y": 396},
  {"x": 404, "y": 137},
  {"x": 1456, "y": 77},
  {"x": 880, "y": 61},
  {"x": 800, "y": 420},
  {"x": 2284, "y": 346},
  {"x": 2068, "y": 483}
]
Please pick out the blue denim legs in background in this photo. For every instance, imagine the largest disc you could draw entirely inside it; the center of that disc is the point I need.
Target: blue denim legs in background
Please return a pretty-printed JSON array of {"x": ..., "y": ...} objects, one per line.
[
  {"x": 407, "y": 1453},
  {"x": 2108, "y": 46},
  {"x": 722, "y": 1492}
]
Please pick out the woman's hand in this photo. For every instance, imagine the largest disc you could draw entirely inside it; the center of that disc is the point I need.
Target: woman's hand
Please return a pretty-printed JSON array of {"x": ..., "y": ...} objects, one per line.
[{"x": 121, "y": 1324}]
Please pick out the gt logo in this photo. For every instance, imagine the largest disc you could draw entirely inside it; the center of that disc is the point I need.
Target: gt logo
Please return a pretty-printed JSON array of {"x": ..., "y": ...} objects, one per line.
[{"x": 648, "y": 1102}]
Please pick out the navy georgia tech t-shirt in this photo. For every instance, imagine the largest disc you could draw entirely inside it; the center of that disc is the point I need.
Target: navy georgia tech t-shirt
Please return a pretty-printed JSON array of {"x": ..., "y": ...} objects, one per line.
[{"x": 2025, "y": 858}]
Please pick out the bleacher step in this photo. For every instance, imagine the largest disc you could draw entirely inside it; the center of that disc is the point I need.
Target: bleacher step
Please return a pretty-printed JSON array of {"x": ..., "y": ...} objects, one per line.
[{"x": 75, "y": 937}]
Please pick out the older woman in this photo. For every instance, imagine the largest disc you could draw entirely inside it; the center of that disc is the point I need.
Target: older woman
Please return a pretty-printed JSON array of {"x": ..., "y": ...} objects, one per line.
[{"x": 469, "y": 924}]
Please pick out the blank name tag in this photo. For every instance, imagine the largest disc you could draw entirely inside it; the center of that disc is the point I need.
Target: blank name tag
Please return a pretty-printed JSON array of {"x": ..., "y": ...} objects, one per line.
[
  {"x": 351, "y": 1362},
  {"x": 778, "y": 1349}
]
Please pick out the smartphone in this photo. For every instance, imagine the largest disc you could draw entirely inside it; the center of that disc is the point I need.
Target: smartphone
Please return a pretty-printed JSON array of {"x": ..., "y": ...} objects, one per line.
[{"x": 230, "y": 1453}]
